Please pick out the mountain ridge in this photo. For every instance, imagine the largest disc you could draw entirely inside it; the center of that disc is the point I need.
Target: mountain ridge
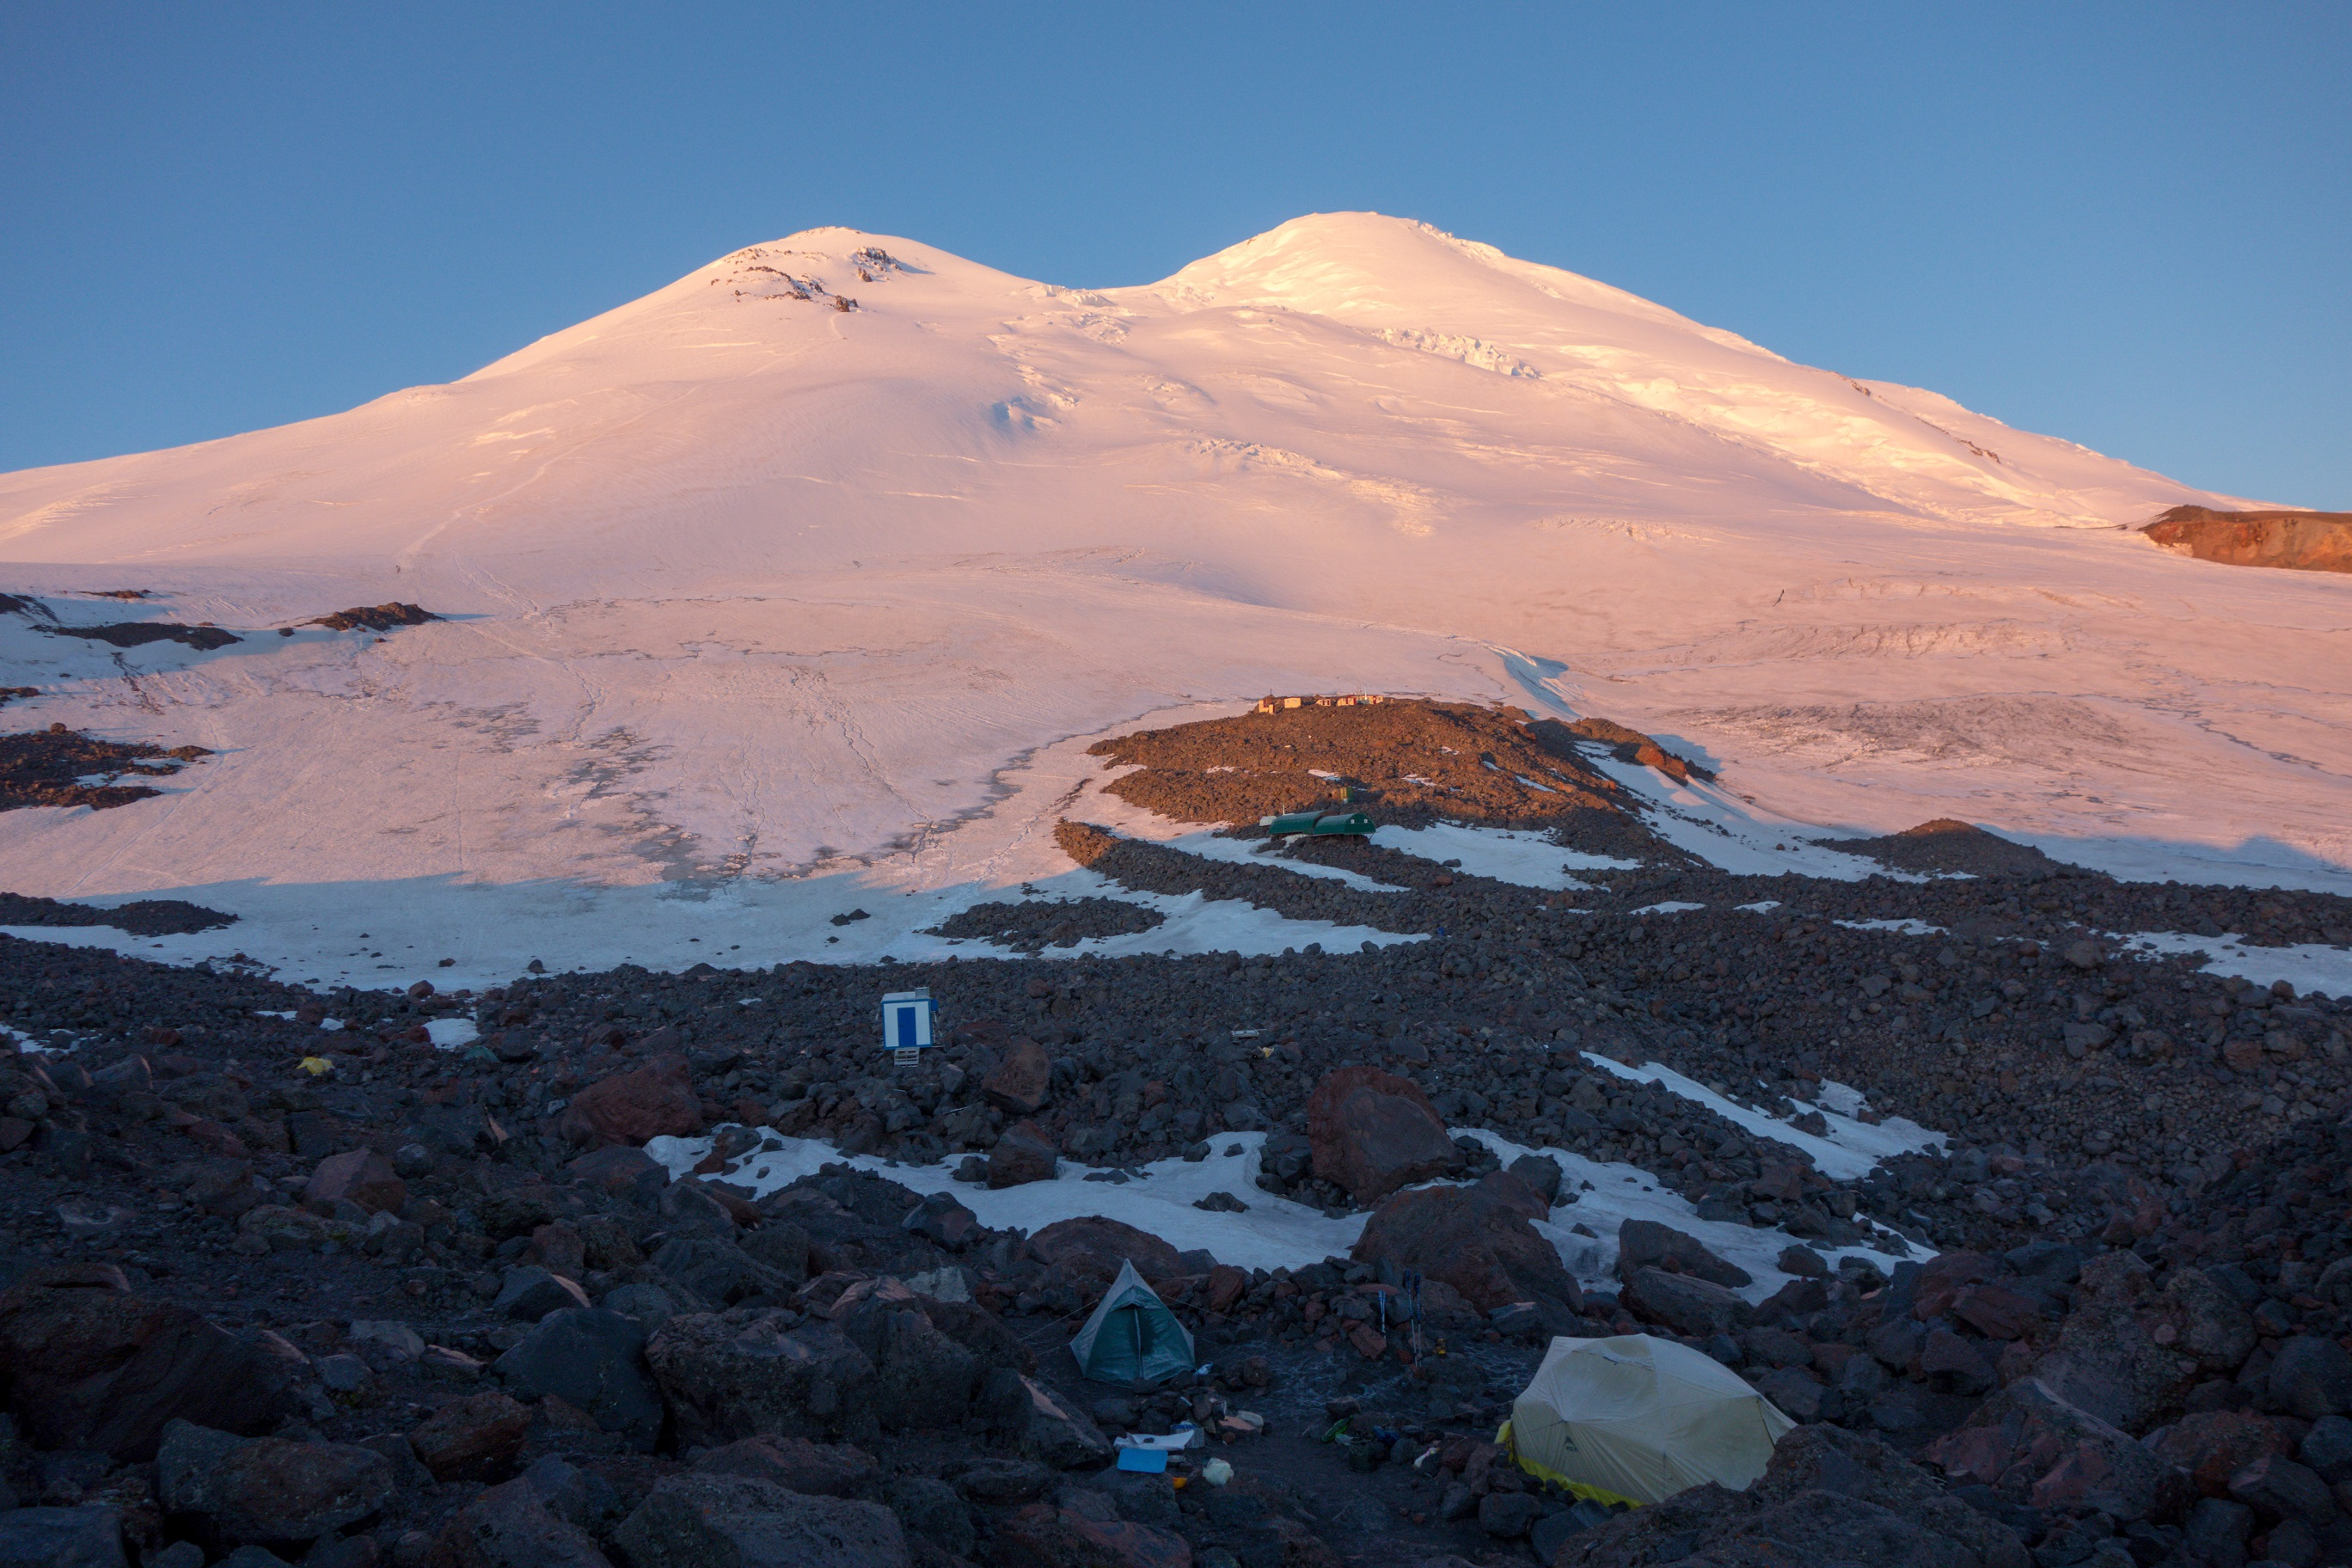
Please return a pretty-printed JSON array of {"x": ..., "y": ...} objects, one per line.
[{"x": 782, "y": 566}]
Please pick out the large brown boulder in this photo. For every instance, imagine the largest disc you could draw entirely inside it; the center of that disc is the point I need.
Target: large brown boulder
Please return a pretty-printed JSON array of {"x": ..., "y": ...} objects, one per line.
[
  {"x": 2214, "y": 1444},
  {"x": 1023, "y": 1082},
  {"x": 2075, "y": 1458},
  {"x": 2105, "y": 1362},
  {"x": 1024, "y": 1154},
  {"x": 821, "y": 1470},
  {"x": 693, "y": 1521},
  {"x": 1644, "y": 1243},
  {"x": 358, "y": 1176},
  {"x": 472, "y": 1439},
  {"x": 1090, "y": 1248},
  {"x": 1373, "y": 1132},
  {"x": 1682, "y": 1303},
  {"x": 1827, "y": 1496},
  {"x": 1477, "y": 1239},
  {"x": 268, "y": 1488},
  {"x": 657, "y": 1100},
  {"x": 726, "y": 1381},
  {"x": 86, "y": 1365},
  {"x": 509, "y": 1525}
]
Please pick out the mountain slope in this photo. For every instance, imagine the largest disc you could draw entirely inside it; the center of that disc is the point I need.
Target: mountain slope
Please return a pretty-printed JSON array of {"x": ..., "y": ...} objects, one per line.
[{"x": 746, "y": 578}]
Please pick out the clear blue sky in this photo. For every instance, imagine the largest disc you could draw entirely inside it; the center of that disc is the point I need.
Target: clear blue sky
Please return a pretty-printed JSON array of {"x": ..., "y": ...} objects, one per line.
[{"x": 2129, "y": 224}]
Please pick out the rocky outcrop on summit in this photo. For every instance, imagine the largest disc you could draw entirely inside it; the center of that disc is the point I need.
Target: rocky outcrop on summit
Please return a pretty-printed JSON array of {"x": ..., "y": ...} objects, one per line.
[
  {"x": 1407, "y": 761},
  {"x": 1949, "y": 845},
  {"x": 140, "y": 917},
  {"x": 138, "y": 634},
  {"x": 56, "y": 766},
  {"x": 374, "y": 617},
  {"x": 2300, "y": 541}
]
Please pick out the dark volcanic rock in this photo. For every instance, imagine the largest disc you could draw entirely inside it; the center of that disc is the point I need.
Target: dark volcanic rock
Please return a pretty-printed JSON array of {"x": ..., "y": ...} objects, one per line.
[
  {"x": 1945, "y": 845},
  {"x": 1033, "y": 924},
  {"x": 2077, "y": 1457},
  {"x": 358, "y": 1176},
  {"x": 1409, "y": 763},
  {"x": 1373, "y": 1132},
  {"x": 822, "y": 1470},
  {"x": 138, "y": 634},
  {"x": 1041, "y": 1533},
  {"x": 1643, "y": 1243},
  {"x": 140, "y": 917},
  {"x": 707, "y": 1520},
  {"x": 1685, "y": 1305},
  {"x": 657, "y": 1100},
  {"x": 1477, "y": 1239},
  {"x": 88, "y": 1537},
  {"x": 2312, "y": 1377},
  {"x": 48, "y": 767},
  {"x": 2212, "y": 1446},
  {"x": 1024, "y": 1154},
  {"x": 374, "y": 617},
  {"x": 726, "y": 1381},
  {"x": 1089, "y": 1249},
  {"x": 472, "y": 1439},
  {"x": 529, "y": 1293},
  {"x": 267, "y": 1488},
  {"x": 1023, "y": 1080},
  {"x": 2277, "y": 1488},
  {"x": 594, "y": 1360},
  {"x": 923, "y": 1378},
  {"x": 1041, "y": 1425},
  {"x": 512, "y": 1526},
  {"x": 91, "y": 1365},
  {"x": 1827, "y": 1496}
]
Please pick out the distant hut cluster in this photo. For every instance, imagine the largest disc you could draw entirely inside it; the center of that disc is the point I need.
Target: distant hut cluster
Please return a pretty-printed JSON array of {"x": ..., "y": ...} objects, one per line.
[{"x": 1348, "y": 700}]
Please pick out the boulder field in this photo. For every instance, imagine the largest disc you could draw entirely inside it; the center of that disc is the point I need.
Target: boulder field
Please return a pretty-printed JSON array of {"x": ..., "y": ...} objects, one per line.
[{"x": 274, "y": 1290}]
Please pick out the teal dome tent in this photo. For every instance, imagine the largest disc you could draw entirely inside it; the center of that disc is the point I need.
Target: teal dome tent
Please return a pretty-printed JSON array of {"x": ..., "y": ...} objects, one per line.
[{"x": 1133, "y": 1340}]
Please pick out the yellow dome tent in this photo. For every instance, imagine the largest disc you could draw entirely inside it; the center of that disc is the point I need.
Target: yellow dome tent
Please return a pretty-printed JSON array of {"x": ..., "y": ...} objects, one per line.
[{"x": 1636, "y": 1419}]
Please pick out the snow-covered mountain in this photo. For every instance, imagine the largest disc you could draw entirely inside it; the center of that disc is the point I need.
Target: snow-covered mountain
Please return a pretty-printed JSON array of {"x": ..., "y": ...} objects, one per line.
[{"x": 796, "y": 563}]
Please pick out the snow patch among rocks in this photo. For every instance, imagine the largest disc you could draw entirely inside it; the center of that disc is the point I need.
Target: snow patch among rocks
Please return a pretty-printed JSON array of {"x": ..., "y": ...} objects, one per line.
[
  {"x": 1274, "y": 1232},
  {"x": 1849, "y": 1151},
  {"x": 1610, "y": 1195},
  {"x": 2306, "y": 966},
  {"x": 1907, "y": 927},
  {"x": 1505, "y": 854}
]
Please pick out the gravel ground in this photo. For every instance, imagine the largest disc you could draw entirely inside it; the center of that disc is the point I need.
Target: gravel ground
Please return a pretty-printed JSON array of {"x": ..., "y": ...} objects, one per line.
[{"x": 1032, "y": 925}]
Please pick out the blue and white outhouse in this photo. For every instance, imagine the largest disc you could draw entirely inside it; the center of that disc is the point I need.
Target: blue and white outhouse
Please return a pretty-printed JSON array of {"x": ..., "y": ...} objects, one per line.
[{"x": 907, "y": 1020}]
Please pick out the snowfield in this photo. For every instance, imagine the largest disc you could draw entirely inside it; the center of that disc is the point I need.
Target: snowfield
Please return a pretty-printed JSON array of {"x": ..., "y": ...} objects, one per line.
[
  {"x": 759, "y": 608},
  {"x": 1279, "y": 1233}
]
